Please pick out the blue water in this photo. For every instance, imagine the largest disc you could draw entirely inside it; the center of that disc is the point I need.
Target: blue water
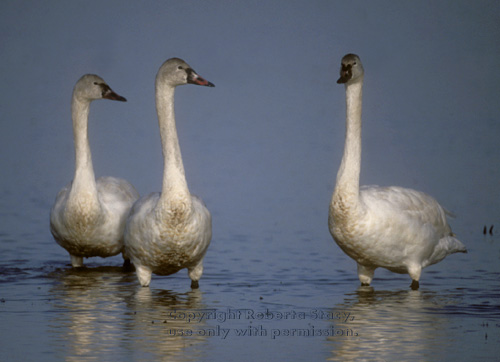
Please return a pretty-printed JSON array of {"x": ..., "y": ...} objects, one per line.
[{"x": 280, "y": 295}]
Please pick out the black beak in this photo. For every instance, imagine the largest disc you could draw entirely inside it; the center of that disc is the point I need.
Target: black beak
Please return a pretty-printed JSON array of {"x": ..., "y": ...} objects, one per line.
[
  {"x": 345, "y": 74},
  {"x": 194, "y": 78},
  {"x": 108, "y": 93}
]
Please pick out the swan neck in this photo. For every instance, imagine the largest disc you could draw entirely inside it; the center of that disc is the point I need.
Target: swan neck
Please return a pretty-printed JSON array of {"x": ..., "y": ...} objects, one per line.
[
  {"x": 84, "y": 178},
  {"x": 348, "y": 175},
  {"x": 174, "y": 188}
]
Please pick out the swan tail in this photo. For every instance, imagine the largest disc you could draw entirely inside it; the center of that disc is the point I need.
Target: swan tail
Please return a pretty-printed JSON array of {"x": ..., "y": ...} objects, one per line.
[
  {"x": 455, "y": 245},
  {"x": 449, "y": 213},
  {"x": 446, "y": 246}
]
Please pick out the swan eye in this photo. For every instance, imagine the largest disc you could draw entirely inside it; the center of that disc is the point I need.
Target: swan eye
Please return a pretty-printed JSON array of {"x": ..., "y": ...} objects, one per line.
[
  {"x": 180, "y": 67},
  {"x": 95, "y": 83}
]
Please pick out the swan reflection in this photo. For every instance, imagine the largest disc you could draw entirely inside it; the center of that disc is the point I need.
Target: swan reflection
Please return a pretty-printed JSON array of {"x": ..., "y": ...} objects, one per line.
[
  {"x": 161, "y": 326},
  {"x": 98, "y": 315},
  {"x": 389, "y": 324}
]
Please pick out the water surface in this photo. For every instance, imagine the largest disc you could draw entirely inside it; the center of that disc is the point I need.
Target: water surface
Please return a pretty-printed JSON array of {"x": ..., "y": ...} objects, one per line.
[
  {"x": 279, "y": 296},
  {"x": 262, "y": 149}
]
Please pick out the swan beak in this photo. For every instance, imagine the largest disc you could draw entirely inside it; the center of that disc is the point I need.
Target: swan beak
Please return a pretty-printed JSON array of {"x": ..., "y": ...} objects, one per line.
[
  {"x": 345, "y": 74},
  {"x": 194, "y": 78},
  {"x": 115, "y": 97},
  {"x": 108, "y": 93}
]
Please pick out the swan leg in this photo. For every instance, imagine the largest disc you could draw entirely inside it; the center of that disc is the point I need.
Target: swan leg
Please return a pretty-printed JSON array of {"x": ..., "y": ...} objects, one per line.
[
  {"x": 415, "y": 285},
  {"x": 365, "y": 274},
  {"x": 194, "y": 274},
  {"x": 143, "y": 274},
  {"x": 414, "y": 271},
  {"x": 127, "y": 264},
  {"x": 76, "y": 261}
]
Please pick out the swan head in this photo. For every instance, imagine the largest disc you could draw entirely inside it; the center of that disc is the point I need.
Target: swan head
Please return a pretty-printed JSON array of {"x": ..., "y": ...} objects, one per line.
[
  {"x": 351, "y": 69},
  {"x": 176, "y": 72},
  {"x": 91, "y": 87}
]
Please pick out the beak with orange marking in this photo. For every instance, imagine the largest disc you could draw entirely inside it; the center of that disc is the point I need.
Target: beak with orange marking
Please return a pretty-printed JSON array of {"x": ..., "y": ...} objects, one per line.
[{"x": 194, "y": 78}]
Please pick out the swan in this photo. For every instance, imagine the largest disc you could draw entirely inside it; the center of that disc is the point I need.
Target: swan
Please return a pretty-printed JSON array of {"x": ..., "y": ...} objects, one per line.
[
  {"x": 171, "y": 230},
  {"x": 88, "y": 216},
  {"x": 396, "y": 228}
]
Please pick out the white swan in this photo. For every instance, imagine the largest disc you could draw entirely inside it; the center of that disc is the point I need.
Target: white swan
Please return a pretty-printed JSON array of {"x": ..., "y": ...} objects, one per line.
[
  {"x": 88, "y": 216},
  {"x": 399, "y": 229},
  {"x": 171, "y": 230}
]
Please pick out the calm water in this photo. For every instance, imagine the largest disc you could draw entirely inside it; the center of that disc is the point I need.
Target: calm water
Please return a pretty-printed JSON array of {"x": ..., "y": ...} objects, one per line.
[
  {"x": 262, "y": 148},
  {"x": 265, "y": 295}
]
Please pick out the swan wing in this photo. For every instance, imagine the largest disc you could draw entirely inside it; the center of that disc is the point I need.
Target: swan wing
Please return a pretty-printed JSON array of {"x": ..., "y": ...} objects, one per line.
[
  {"x": 116, "y": 190},
  {"x": 56, "y": 213},
  {"x": 411, "y": 204}
]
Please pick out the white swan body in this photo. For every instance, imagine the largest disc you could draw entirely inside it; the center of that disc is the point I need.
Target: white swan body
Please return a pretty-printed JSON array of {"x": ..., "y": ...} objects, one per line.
[
  {"x": 88, "y": 216},
  {"x": 399, "y": 229},
  {"x": 171, "y": 230}
]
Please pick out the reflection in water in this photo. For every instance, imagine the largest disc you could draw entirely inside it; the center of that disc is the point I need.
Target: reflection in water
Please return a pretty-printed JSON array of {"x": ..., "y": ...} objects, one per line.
[
  {"x": 389, "y": 325},
  {"x": 163, "y": 324},
  {"x": 98, "y": 316}
]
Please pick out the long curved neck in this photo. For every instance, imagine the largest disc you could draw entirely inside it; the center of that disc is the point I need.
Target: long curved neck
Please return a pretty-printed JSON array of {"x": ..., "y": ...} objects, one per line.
[
  {"x": 348, "y": 175},
  {"x": 174, "y": 188},
  {"x": 84, "y": 179}
]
